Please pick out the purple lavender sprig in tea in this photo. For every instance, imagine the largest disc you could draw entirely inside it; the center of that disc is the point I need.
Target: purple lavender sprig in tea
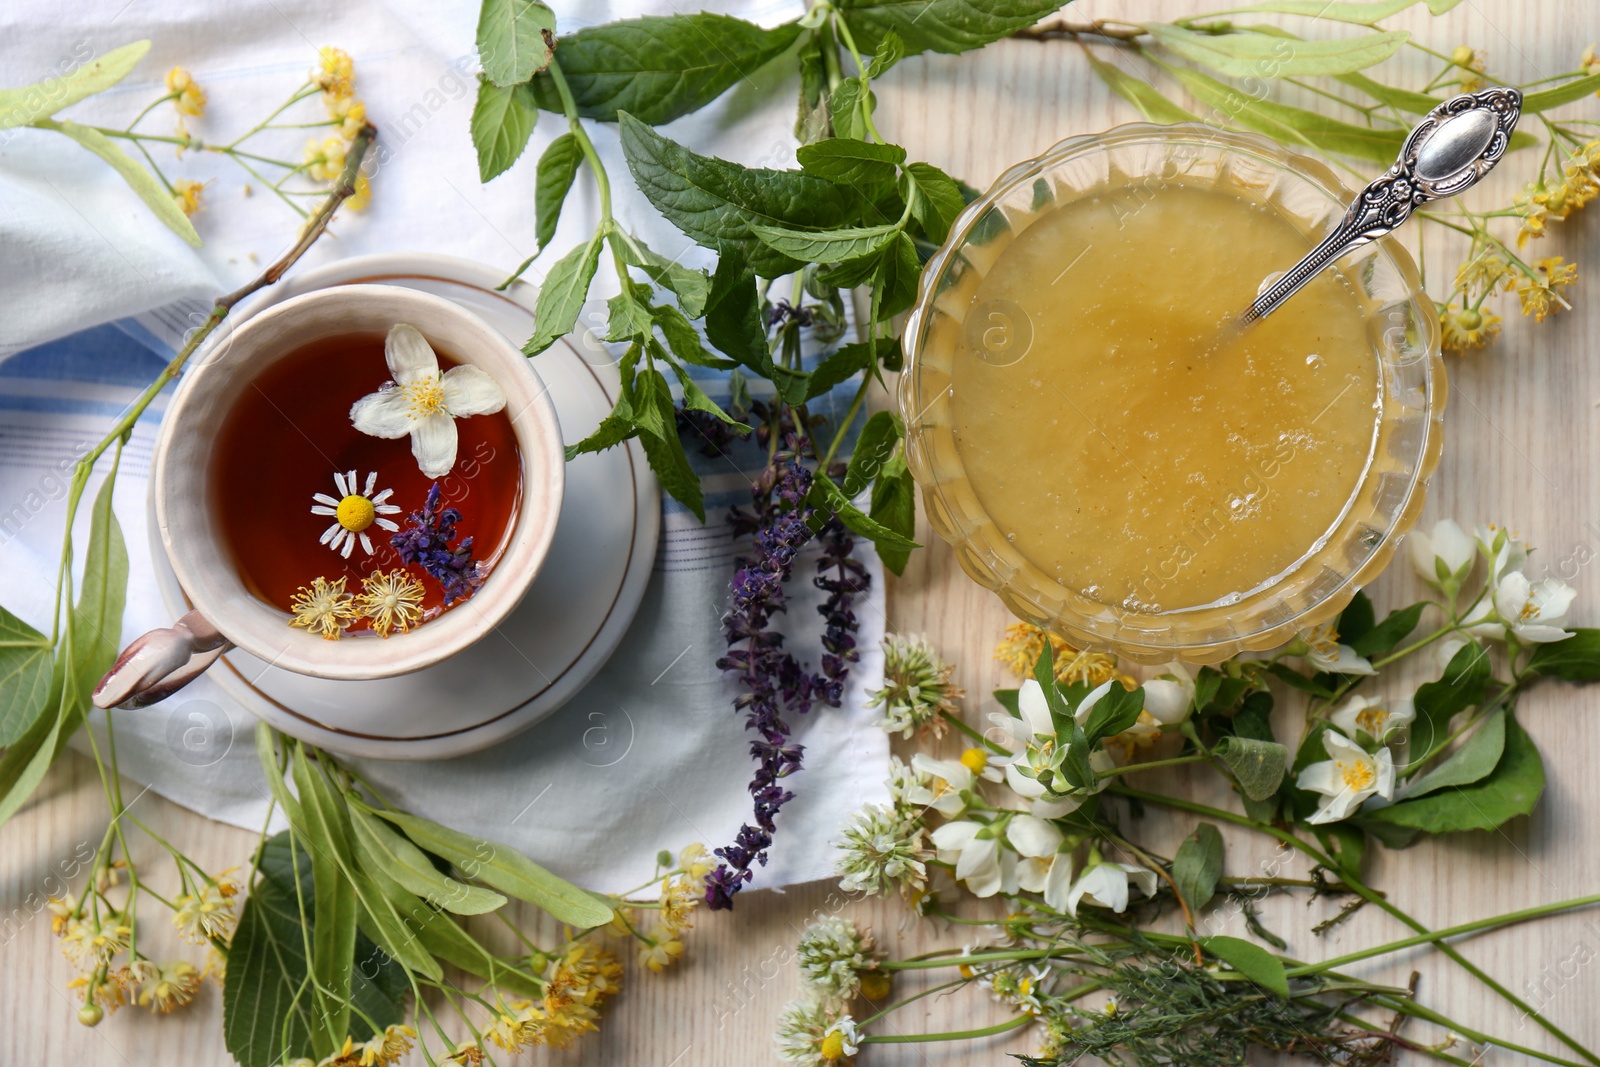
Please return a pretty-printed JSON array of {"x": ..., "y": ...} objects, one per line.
[{"x": 425, "y": 541}]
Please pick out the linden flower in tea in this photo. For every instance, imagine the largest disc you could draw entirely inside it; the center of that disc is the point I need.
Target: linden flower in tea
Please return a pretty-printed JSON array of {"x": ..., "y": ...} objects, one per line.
[
  {"x": 354, "y": 513},
  {"x": 422, "y": 403}
]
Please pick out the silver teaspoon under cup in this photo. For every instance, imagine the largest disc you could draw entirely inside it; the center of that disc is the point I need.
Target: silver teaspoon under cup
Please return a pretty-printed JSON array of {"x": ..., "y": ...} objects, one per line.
[{"x": 1456, "y": 144}]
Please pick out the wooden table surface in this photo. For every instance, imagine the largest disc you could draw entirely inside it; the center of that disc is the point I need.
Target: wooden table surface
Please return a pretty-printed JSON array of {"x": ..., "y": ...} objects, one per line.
[{"x": 1521, "y": 433}]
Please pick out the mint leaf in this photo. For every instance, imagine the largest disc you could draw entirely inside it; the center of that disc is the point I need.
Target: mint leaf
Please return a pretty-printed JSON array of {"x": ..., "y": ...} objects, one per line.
[
  {"x": 733, "y": 317},
  {"x": 891, "y": 49},
  {"x": 1511, "y": 789},
  {"x": 940, "y": 25},
  {"x": 714, "y": 202},
  {"x": 826, "y": 246},
  {"x": 841, "y": 365},
  {"x": 894, "y": 506},
  {"x": 502, "y": 122},
  {"x": 695, "y": 399},
  {"x": 684, "y": 340},
  {"x": 1469, "y": 763},
  {"x": 864, "y": 165},
  {"x": 557, "y": 168},
  {"x": 936, "y": 200},
  {"x": 660, "y": 67},
  {"x": 827, "y": 497},
  {"x": 1573, "y": 659},
  {"x": 877, "y": 442},
  {"x": 690, "y": 286},
  {"x": 562, "y": 295},
  {"x": 1198, "y": 865},
  {"x": 515, "y": 39}
]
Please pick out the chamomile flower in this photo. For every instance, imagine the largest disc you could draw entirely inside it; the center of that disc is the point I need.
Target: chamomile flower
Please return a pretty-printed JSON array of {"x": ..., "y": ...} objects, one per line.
[
  {"x": 423, "y": 404},
  {"x": 355, "y": 511},
  {"x": 323, "y": 608},
  {"x": 390, "y": 600}
]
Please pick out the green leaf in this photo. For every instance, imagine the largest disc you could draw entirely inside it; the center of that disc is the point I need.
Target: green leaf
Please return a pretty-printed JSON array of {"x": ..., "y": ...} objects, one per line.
[
  {"x": 894, "y": 506},
  {"x": 1293, "y": 124},
  {"x": 506, "y": 869},
  {"x": 1198, "y": 865},
  {"x": 877, "y": 442},
  {"x": 515, "y": 39},
  {"x": 1250, "y": 960},
  {"x": 733, "y": 316},
  {"x": 1044, "y": 672},
  {"x": 826, "y": 246},
  {"x": 1356, "y": 11},
  {"x": 97, "y": 618},
  {"x": 1249, "y": 55},
  {"x": 1463, "y": 685},
  {"x": 841, "y": 365},
  {"x": 1114, "y": 712},
  {"x": 1357, "y": 618},
  {"x": 863, "y": 165},
  {"x": 684, "y": 340},
  {"x": 25, "y": 104},
  {"x": 25, "y": 665},
  {"x": 844, "y": 105},
  {"x": 1395, "y": 627},
  {"x": 141, "y": 181},
  {"x": 891, "y": 49},
  {"x": 558, "y": 166},
  {"x": 691, "y": 287},
  {"x": 562, "y": 295},
  {"x": 1345, "y": 844},
  {"x": 334, "y": 909},
  {"x": 502, "y": 122},
  {"x": 1141, "y": 94},
  {"x": 629, "y": 313},
  {"x": 715, "y": 202},
  {"x": 671, "y": 465},
  {"x": 1295, "y": 680},
  {"x": 1573, "y": 659},
  {"x": 1511, "y": 789},
  {"x": 25, "y": 762},
  {"x": 1471, "y": 762},
  {"x": 1258, "y": 766},
  {"x": 936, "y": 200},
  {"x": 660, "y": 67},
  {"x": 1574, "y": 90},
  {"x": 380, "y": 847},
  {"x": 827, "y": 497},
  {"x": 948, "y": 26},
  {"x": 695, "y": 399},
  {"x": 1404, "y": 99}
]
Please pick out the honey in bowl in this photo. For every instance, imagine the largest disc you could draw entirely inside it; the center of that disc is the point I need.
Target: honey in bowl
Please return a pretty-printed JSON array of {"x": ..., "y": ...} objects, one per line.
[
  {"x": 1124, "y": 439},
  {"x": 290, "y": 447}
]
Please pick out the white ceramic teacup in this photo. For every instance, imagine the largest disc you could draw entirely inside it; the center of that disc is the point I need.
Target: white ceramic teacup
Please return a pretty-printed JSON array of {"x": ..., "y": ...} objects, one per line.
[{"x": 226, "y": 613}]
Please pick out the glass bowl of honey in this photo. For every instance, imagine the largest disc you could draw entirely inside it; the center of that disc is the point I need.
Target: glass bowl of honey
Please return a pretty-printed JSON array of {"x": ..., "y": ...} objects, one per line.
[{"x": 1107, "y": 450}]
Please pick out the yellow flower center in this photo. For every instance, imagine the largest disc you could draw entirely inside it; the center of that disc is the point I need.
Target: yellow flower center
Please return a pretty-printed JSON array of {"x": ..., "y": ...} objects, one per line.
[
  {"x": 1356, "y": 776},
  {"x": 1371, "y": 719},
  {"x": 1530, "y": 610},
  {"x": 975, "y": 760},
  {"x": 426, "y": 397},
  {"x": 356, "y": 513},
  {"x": 832, "y": 1047}
]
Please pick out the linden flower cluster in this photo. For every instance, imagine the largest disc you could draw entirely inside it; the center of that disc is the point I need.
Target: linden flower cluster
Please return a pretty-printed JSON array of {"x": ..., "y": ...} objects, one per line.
[
  {"x": 335, "y": 77},
  {"x": 384, "y": 1048},
  {"x": 389, "y": 601},
  {"x": 682, "y": 890},
  {"x": 579, "y": 978},
  {"x": 1024, "y": 643},
  {"x": 838, "y": 963},
  {"x": 94, "y": 933}
]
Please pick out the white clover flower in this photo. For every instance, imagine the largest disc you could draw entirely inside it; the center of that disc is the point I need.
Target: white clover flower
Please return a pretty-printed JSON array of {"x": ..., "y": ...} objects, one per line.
[
  {"x": 1377, "y": 717},
  {"x": 917, "y": 689},
  {"x": 1531, "y": 612},
  {"x": 832, "y": 953},
  {"x": 803, "y": 1027},
  {"x": 1445, "y": 557},
  {"x": 1107, "y": 884},
  {"x": 1348, "y": 779},
  {"x": 882, "y": 851}
]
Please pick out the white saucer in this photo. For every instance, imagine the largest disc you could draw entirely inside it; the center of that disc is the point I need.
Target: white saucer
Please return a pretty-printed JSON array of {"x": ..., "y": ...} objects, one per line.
[{"x": 572, "y": 619}]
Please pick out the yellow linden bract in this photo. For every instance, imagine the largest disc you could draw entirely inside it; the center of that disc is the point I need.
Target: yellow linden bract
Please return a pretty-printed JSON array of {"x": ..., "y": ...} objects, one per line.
[{"x": 356, "y": 513}]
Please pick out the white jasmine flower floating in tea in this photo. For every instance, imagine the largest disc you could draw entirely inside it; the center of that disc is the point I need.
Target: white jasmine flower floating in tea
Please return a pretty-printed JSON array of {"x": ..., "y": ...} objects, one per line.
[
  {"x": 423, "y": 403},
  {"x": 354, "y": 513}
]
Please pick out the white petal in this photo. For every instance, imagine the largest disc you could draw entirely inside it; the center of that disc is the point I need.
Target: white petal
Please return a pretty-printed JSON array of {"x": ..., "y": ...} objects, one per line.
[
  {"x": 372, "y": 481},
  {"x": 433, "y": 442},
  {"x": 1082, "y": 714},
  {"x": 1142, "y": 878},
  {"x": 1034, "y": 708},
  {"x": 1059, "y": 881},
  {"x": 1422, "y": 555},
  {"x": 1166, "y": 701},
  {"x": 1542, "y": 635},
  {"x": 386, "y": 414},
  {"x": 387, "y": 509},
  {"x": 1384, "y": 786},
  {"x": 1054, "y": 808},
  {"x": 381, "y": 497},
  {"x": 469, "y": 390},
  {"x": 1511, "y": 595},
  {"x": 409, "y": 355},
  {"x": 349, "y": 544},
  {"x": 387, "y": 524},
  {"x": 1031, "y": 874},
  {"x": 1022, "y": 785},
  {"x": 366, "y": 543},
  {"x": 1453, "y": 545},
  {"x": 954, "y": 836},
  {"x": 1321, "y": 778},
  {"x": 1032, "y": 836},
  {"x": 1551, "y": 599},
  {"x": 324, "y": 498},
  {"x": 323, "y": 509},
  {"x": 338, "y": 480}
]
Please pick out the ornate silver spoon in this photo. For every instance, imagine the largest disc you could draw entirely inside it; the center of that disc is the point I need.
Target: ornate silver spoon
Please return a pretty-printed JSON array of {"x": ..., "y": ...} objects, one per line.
[{"x": 1454, "y": 145}]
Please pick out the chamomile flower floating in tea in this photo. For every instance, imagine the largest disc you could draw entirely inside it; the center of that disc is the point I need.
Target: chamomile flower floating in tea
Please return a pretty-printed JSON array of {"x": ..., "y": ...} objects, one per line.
[
  {"x": 354, "y": 513},
  {"x": 422, "y": 403}
]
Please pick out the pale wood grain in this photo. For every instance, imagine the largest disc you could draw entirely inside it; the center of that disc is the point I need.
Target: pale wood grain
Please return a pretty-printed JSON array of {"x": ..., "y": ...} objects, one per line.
[{"x": 1521, "y": 430}]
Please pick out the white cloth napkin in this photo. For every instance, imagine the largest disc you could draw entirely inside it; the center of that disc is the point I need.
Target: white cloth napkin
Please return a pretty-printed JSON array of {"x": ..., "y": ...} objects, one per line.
[{"x": 94, "y": 293}]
